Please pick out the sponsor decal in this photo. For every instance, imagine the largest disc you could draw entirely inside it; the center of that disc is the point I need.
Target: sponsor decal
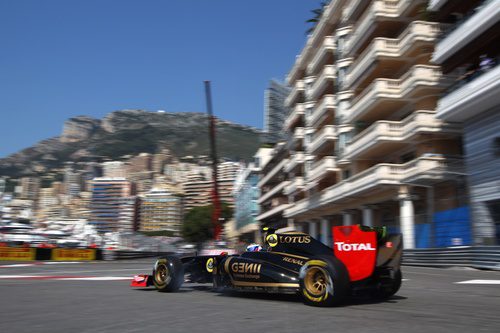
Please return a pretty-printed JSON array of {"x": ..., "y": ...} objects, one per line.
[
  {"x": 341, "y": 246},
  {"x": 17, "y": 253},
  {"x": 73, "y": 254},
  {"x": 246, "y": 270},
  {"x": 272, "y": 240},
  {"x": 210, "y": 265},
  {"x": 294, "y": 261},
  {"x": 295, "y": 239}
]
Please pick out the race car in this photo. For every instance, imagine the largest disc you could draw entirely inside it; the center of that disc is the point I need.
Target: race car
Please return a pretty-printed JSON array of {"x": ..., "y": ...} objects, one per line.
[{"x": 362, "y": 260}]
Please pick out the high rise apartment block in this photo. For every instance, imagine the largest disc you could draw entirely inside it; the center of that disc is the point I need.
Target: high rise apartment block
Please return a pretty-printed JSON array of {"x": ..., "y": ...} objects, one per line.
[
  {"x": 469, "y": 50},
  {"x": 161, "y": 210},
  {"x": 112, "y": 205},
  {"x": 365, "y": 145},
  {"x": 275, "y": 111},
  {"x": 30, "y": 186}
]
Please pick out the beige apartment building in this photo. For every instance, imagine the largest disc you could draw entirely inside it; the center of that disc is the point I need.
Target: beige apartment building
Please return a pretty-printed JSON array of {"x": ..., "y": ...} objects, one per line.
[{"x": 365, "y": 146}]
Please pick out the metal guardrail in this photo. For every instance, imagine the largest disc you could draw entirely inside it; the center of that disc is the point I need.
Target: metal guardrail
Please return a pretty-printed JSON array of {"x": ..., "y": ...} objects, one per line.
[{"x": 481, "y": 257}]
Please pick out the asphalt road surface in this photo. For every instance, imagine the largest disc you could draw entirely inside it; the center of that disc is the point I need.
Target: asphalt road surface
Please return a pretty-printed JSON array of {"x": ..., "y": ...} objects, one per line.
[{"x": 95, "y": 297}]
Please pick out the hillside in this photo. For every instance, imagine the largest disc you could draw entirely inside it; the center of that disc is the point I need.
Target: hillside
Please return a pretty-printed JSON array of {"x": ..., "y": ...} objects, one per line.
[{"x": 131, "y": 132}]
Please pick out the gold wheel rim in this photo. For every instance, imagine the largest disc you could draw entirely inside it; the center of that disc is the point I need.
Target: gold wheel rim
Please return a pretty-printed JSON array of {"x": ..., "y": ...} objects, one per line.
[
  {"x": 161, "y": 274},
  {"x": 315, "y": 281}
]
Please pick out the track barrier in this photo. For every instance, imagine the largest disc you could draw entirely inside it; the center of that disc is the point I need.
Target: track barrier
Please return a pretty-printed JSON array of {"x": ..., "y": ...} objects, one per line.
[{"x": 481, "y": 257}]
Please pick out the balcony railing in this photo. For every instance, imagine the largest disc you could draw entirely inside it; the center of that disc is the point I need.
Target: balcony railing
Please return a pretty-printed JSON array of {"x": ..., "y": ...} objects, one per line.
[
  {"x": 322, "y": 168},
  {"x": 326, "y": 105},
  {"x": 295, "y": 160},
  {"x": 472, "y": 25},
  {"x": 273, "y": 211},
  {"x": 297, "y": 112},
  {"x": 417, "y": 31},
  {"x": 470, "y": 97},
  {"x": 278, "y": 189},
  {"x": 369, "y": 180},
  {"x": 402, "y": 89},
  {"x": 323, "y": 137},
  {"x": 327, "y": 76},
  {"x": 383, "y": 8},
  {"x": 396, "y": 131},
  {"x": 297, "y": 89},
  {"x": 277, "y": 169},
  {"x": 295, "y": 185},
  {"x": 328, "y": 46}
]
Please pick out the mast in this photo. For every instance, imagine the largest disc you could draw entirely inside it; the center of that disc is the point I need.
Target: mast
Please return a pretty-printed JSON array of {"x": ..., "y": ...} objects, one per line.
[{"x": 215, "y": 189}]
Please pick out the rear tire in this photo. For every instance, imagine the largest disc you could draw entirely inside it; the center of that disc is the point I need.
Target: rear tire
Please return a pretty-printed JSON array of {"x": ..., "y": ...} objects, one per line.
[
  {"x": 168, "y": 274},
  {"x": 389, "y": 288},
  {"x": 324, "y": 282}
]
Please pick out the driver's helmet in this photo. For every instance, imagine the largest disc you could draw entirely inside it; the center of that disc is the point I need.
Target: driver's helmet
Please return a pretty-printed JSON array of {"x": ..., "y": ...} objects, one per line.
[{"x": 254, "y": 248}]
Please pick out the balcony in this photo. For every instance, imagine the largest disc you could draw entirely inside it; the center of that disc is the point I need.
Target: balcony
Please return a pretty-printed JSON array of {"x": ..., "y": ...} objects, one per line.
[
  {"x": 275, "y": 171},
  {"x": 324, "y": 110},
  {"x": 428, "y": 170},
  {"x": 351, "y": 9},
  {"x": 384, "y": 96},
  {"x": 298, "y": 134},
  {"x": 371, "y": 181},
  {"x": 326, "y": 77},
  {"x": 384, "y": 137},
  {"x": 297, "y": 90},
  {"x": 295, "y": 185},
  {"x": 273, "y": 211},
  {"x": 294, "y": 161},
  {"x": 472, "y": 98},
  {"x": 325, "y": 137},
  {"x": 322, "y": 168},
  {"x": 385, "y": 53},
  {"x": 483, "y": 19},
  {"x": 382, "y": 15},
  {"x": 278, "y": 189},
  {"x": 326, "y": 48},
  {"x": 294, "y": 116}
]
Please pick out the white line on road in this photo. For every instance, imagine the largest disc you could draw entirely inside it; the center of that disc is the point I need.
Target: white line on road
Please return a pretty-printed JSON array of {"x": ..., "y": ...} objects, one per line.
[
  {"x": 97, "y": 278},
  {"x": 479, "y": 282},
  {"x": 66, "y": 278}
]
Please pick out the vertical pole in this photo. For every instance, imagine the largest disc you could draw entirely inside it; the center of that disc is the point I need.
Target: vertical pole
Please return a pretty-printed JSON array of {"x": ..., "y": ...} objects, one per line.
[{"x": 215, "y": 190}]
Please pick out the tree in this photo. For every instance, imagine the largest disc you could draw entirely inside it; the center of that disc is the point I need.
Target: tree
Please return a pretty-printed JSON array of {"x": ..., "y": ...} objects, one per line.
[
  {"x": 317, "y": 16},
  {"x": 197, "y": 227}
]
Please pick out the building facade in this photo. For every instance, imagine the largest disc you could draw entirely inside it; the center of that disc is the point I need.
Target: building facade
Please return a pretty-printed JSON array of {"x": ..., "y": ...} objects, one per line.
[
  {"x": 113, "y": 207},
  {"x": 365, "y": 145},
  {"x": 246, "y": 194},
  {"x": 470, "y": 51},
  {"x": 275, "y": 111},
  {"x": 161, "y": 210}
]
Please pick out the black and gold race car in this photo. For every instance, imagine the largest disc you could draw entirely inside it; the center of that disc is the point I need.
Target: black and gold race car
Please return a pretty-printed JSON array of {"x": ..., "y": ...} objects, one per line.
[{"x": 362, "y": 260}]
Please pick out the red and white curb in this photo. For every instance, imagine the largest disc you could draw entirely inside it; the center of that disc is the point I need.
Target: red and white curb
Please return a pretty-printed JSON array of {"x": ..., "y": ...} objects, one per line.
[
  {"x": 65, "y": 278},
  {"x": 40, "y": 263}
]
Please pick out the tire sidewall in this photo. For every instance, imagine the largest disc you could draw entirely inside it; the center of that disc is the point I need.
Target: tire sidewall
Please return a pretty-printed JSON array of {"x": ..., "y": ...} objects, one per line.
[
  {"x": 337, "y": 282},
  {"x": 175, "y": 274}
]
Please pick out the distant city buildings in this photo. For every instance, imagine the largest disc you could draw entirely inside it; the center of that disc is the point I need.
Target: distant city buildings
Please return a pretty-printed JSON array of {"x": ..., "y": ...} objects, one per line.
[
  {"x": 275, "y": 111},
  {"x": 246, "y": 198},
  {"x": 112, "y": 206},
  {"x": 161, "y": 210}
]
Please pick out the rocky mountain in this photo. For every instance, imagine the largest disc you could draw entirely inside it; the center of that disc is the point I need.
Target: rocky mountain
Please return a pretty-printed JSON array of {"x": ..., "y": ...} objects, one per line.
[{"x": 131, "y": 132}]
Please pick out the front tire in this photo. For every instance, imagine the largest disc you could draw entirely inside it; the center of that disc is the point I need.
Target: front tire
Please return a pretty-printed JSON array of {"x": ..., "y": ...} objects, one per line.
[
  {"x": 168, "y": 274},
  {"x": 324, "y": 282}
]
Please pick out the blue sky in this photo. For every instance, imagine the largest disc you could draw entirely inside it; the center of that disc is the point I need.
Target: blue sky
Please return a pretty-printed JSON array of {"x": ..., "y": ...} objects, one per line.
[{"x": 63, "y": 58}]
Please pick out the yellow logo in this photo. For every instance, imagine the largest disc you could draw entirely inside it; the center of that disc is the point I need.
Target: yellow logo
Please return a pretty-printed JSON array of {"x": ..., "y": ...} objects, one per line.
[
  {"x": 295, "y": 239},
  {"x": 272, "y": 240},
  {"x": 210, "y": 265}
]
